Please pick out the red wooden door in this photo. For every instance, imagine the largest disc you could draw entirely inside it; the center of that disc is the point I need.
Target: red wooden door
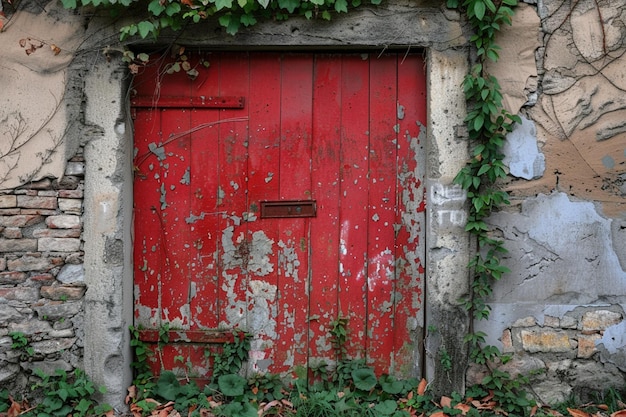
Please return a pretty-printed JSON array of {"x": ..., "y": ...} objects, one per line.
[{"x": 275, "y": 193}]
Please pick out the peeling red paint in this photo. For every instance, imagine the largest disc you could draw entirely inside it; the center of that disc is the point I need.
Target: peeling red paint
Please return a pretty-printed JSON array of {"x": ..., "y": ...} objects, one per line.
[{"x": 338, "y": 129}]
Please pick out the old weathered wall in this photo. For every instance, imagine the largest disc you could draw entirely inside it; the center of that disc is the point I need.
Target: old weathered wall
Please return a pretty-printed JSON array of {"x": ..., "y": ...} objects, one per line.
[
  {"x": 66, "y": 212},
  {"x": 561, "y": 310}
]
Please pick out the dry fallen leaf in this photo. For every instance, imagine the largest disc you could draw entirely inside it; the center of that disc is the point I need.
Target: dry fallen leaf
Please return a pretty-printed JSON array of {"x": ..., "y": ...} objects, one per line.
[
  {"x": 446, "y": 401},
  {"x": 15, "y": 409},
  {"x": 132, "y": 394},
  {"x": 619, "y": 413},
  {"x": 577, "y": 413},
  {"x": 421, "y": 388}
]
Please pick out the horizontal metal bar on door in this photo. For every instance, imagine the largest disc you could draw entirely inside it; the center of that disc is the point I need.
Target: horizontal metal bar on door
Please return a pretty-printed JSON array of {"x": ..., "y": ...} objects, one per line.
[
  {"x": 189, "y": 336},
  {"x": 209, "y": 102}
]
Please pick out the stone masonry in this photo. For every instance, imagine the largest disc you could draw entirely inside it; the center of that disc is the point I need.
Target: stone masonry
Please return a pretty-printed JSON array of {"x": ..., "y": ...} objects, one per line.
[
  {"x": 41, "y": 277},
  {"x": 563, "y": 355}
]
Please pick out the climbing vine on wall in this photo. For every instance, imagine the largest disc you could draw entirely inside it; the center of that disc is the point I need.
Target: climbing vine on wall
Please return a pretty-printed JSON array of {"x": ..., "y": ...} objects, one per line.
[
  {"x": 231, "y": 14},
  {"x": 487, "y": 123}
]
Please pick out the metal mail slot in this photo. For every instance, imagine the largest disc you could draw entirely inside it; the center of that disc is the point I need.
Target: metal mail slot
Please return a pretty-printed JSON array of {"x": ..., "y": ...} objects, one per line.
[{"x": 288, "y": 208}]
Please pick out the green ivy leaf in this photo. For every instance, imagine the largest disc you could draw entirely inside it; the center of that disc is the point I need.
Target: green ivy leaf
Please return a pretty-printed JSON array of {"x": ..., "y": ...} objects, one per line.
[
  {"x": 69, "y": 4},
  {"x": 173, "y": 9},
  {"x": 240, "y": 410},
  {"x": 145, "y": 28},
  {"x": 391, "y": 385},
  {"x": 168, "y": 386},
  {"x": 479, "y": 120},
  {"x": 230, "y": 22},
  {"x": 223, "y": 4},
  {"x": 386, "y": 408},
  {"x": 248, "y": 20},
  {"x": 479, "y": 9},
  {"x": 490, "y": 5},
  {"x": 231, "y": 385},
  {"x": 155, "y": 7},
  {"x": 341, "y": 6},
  {"x": 484, "y": 168},
  {"x": 83, "y": 406},
  {"x": 290, "y": 5},
  {"x": 364, "y": 378}
]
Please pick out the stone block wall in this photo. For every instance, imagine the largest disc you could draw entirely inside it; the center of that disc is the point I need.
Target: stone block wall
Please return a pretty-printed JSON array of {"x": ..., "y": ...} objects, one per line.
[
  {"x": 41, "y": 277},
  {"x": 565, "y": 355}
]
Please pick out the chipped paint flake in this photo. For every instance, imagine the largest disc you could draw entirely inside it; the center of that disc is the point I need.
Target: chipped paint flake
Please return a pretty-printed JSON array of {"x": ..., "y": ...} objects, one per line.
[
  {"x": 260, "y": 251},
  {"x": 163, "y": 197},
  {"x": 288, "y": 261},
  {"x": 194, "y": 218},
  {"x": 400, "y": 111},
  {"x": 249, "y": 216},
  {"x": 186, "y": 177},
  {"x": 158, "y": 150}
]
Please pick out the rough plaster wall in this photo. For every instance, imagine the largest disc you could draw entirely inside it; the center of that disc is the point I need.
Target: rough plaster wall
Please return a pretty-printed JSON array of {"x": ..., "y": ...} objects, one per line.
[
  {"x": 561, "y": 309},
  {"x": 35, "y": 101},
  {"x": 516, "y": 70},
  {"x": 65, "y": 98},
  {"x": 580, "y": 107}
]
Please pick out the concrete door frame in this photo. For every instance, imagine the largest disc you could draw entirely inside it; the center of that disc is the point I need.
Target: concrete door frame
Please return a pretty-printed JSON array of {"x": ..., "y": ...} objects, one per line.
[{"x": 109, "y": 212}]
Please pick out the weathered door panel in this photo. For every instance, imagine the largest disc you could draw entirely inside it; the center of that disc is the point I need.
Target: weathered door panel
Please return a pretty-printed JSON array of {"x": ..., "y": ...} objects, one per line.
[
  {"x": 381, "y": 266},
  {"x": 342, "y": 130},
  {"x": 294, "y": 179},
  {"x": 410, "y": 201},
  {"x": 325, "y": 176}
]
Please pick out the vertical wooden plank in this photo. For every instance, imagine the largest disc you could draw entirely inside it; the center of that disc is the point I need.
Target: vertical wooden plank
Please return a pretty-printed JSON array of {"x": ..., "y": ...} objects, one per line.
[
  {"x": 174, "y": 159},
  {"x": 296, "y": 106},
  {"x": 232, "y": 200},
  {"x": 381, "y": 215},
  {"x": 148, "y": 248},
  {"x": 205, "y": 216},
  {"x": 325, "y": 180},
  {"x": 410, "y": 215},
  {"x": 174, "y": 198},
  {"x": 263, "y": 105},
  {"x": 353, "y": 200}
]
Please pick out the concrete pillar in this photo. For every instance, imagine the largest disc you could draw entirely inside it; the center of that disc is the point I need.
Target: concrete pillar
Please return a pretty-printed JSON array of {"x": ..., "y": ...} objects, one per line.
[
  {"x": 448, "y": 245},
  {"x": 107, "y": 233}
]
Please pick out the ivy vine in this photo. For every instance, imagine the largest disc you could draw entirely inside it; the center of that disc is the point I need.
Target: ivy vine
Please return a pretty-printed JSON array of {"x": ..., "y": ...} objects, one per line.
[
  {"x": 231, "y": 14},
  {"x": 488, "y": 123}
]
